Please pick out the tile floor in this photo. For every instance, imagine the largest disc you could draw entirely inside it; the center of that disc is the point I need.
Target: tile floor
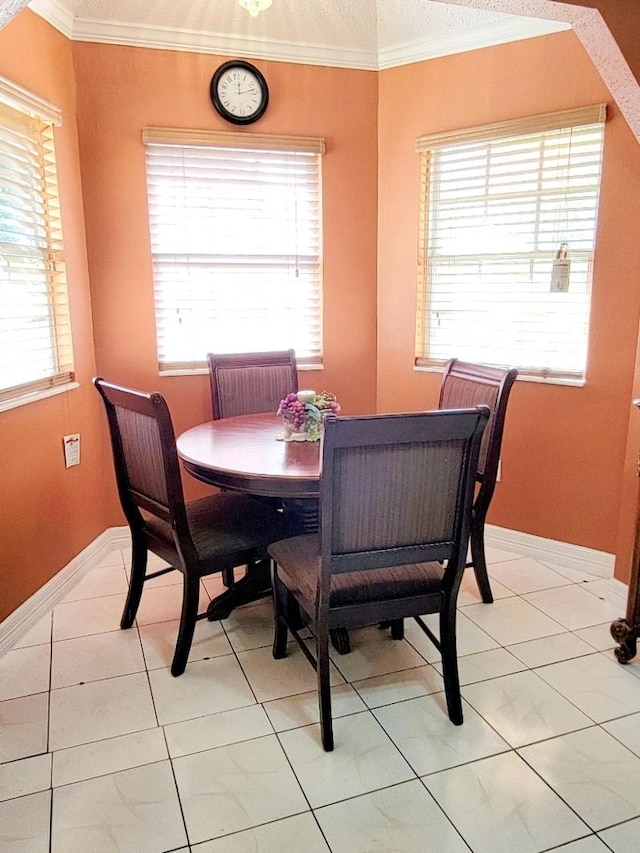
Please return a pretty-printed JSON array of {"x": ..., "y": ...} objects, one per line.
[{"x": 102, "y": 750}]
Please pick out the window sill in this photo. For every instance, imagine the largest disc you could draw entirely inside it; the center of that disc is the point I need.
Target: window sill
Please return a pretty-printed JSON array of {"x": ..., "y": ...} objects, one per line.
[
  {"x": 204, "y": 371},
  {"x": 571, "y": 383},
  {"x": 25, "y": 399}
]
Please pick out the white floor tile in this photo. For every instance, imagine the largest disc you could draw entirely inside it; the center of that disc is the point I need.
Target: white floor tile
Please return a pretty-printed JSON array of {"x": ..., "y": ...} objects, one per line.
[
  {"x": 470, "y": 638},
  {"x": 25, "y": 671},
  {"x": 23, "y": 726},
  {"x": 500, "y": 805},
  {"x": 101, "y": 580},
  {"x": 99, "y": 710},
  {"x": 573, "y": 606},
  {"x": 164, "y": 604},
  {"x": 96, "y": 657},
  {"x": 498, "y": 555},
  {"x": 289, "y": 835},
  {"x": 26, "y": 776},
  {"x": 485, "y": 665},
  {"x": 39, "y": 634},
  {"x": 374, "y": 652},
  {"x": 598, "y": 636},
  {"x": 363, "y": 760},
  {"x": 217, "y": 730},
  {"x": 24, "y": 824},
  {"x": 627, "y": 731},
  {"x": 512, "y": 620},
  {"x": 159, "y": 642},
  {"x": 523, "y": 709},
  {"x": 272, "y": 679},
  {"x": 624, "y": 838},
  {"x": 236, "y": 787},
  {"x": 137, "y": 810},
  {"x": 251, "y": 627},
  {"x": 429, "y": 741},
  {"x": 398, "y": 686},
  {"x": 592, "y": 772},
  {"x": 404, "y": 817},
  {"x": 530, "y": 676},
  {"x": 526, "y": 575},
  {"x": 601, "y": 687},
  {"x": 108, "y": 756},
  {"x": 206, "y": 687},
  {"x": 470, "y": 594},
  {"x": 553, "y": 649},
  {"x": 291, "y": 712},
  {"x": 82, "y": 618},
  {"x": 590, "y": 844}
]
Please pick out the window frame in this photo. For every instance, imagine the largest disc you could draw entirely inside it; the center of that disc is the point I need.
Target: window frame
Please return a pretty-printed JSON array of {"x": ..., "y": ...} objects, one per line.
[
  {"x": 182, "y": 139},
  {"x": 565, "y": 120},
  {"x": 43, "y": 118}
]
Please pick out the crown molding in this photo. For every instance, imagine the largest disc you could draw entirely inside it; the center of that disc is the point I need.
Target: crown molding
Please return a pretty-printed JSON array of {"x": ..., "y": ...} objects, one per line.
[
  {"x": 472, "y": 38},
  {"x": 192, "y": 41},
  {"x": 196, "y": 41},
  {"x": 55, "y": 14}
]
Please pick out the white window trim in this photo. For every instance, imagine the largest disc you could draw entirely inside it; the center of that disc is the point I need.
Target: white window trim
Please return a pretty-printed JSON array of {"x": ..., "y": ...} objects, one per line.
[{"x": 592, "y": 114}]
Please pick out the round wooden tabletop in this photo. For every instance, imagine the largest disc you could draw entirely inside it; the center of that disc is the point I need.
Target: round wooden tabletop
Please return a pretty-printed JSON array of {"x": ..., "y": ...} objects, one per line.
[{"x": 244, "y": 454}]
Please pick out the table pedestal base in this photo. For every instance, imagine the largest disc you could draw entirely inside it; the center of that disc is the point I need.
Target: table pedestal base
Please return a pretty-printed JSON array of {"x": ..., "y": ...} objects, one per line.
[{"x": 254, "y": 585}]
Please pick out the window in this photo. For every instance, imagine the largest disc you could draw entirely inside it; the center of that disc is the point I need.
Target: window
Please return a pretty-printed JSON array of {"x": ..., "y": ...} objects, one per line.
[
  {"x": 505, "y": 211},
  {"x": 35, "y": 332},
  {"x": 235, "y": 222}
]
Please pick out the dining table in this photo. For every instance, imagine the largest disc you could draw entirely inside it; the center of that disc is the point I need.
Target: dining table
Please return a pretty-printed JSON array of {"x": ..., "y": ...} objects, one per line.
[{"x": 248, "y": 454}]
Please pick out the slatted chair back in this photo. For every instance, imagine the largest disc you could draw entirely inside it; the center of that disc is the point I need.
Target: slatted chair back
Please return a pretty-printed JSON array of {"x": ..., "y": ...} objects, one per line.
[
  {"x": 248, "y": 383},
  {"x": 468, "y": 384}
]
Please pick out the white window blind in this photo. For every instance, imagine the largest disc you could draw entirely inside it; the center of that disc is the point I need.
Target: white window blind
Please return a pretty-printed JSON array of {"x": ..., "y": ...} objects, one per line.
[
  {"x": 235, "y": 224},
  {"x": 498, "y": 205},
  {"x": 35, "y": 330}
]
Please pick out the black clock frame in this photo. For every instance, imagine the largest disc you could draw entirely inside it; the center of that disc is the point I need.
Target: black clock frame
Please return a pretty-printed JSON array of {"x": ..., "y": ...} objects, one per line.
[{"x": 215, "y": 99}]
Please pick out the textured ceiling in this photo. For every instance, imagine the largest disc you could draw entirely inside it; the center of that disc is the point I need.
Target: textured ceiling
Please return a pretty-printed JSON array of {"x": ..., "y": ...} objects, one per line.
[{"x": 352, "y": 33}]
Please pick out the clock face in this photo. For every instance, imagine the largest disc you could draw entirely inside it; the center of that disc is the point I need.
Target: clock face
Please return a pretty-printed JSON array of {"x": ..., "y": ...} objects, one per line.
[{"x": 239, "y": 92}]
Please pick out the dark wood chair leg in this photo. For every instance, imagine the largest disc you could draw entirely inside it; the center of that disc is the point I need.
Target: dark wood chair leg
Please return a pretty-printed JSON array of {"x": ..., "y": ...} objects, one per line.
[
  {"x": 397, "y": 629},
  {"x": 280, "y": 605},
  {"x": 324, "y": 687},
  {"x": 136, "y": 581},
  {"x": 190, "y": 596},
  {"x": 450, "y": 663},
  {"x": 479, "y": 561}
]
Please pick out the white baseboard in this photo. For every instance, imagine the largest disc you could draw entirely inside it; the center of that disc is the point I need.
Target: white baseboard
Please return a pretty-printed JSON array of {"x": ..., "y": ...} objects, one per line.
[
  {"x": 597, "y": 563},
  {"x": 44, "y": 600}
]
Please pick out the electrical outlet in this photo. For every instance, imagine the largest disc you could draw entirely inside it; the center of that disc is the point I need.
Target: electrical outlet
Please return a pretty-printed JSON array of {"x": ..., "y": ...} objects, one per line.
[
  {"x": 71, "y": 445},
  {"x": 499, "y": 474}
]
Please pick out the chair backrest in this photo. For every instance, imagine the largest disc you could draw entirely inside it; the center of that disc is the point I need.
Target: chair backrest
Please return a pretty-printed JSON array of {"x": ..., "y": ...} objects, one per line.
[
  {"x": 144, "y": 456},
  {"x": 398, "y": 489},
  {"x": 247, "y": 383},
  {"x": 466, "y": 384}
]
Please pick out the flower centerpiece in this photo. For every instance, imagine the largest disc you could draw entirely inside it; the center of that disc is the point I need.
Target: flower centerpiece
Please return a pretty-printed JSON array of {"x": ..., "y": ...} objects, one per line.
[{"x": 303, "y": 413}]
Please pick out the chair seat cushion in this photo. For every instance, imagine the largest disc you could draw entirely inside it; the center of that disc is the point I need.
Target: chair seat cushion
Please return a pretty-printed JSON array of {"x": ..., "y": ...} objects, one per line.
[
  {"x": 224, "y": 525},
  {"x": 298, "y": 562}
]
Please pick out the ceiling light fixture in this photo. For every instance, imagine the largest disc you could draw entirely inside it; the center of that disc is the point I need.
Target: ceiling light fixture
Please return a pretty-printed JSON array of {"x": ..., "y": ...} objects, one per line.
[{"x": 254, "y": 7}]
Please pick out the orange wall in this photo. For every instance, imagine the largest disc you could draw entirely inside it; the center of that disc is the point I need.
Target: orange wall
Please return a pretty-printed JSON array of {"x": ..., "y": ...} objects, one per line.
[
  {"x": 564, "y": 447},
  {"x": 575, "y": 438},
  {"x": 49, "y": 514},
  {"x": 155, "y": 87}
]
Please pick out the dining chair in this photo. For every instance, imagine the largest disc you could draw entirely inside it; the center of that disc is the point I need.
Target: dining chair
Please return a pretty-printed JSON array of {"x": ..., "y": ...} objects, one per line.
[
  {"x": 396, "y": 497},
  {"x": 213, "y": 534},
  {"x": 468, "y": 384},
  {"x": 247, "y": 383}
]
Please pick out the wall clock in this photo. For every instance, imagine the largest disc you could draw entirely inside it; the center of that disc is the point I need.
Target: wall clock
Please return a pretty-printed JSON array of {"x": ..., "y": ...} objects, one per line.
[{"x": 239, "y": 92}]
